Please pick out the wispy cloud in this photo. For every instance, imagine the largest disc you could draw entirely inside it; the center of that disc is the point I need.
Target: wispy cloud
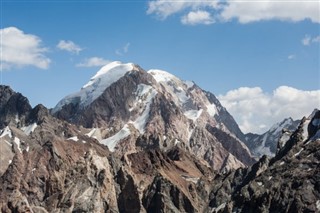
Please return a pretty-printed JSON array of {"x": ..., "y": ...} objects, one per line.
[
  {"x": 307, "y": 40},
  {"x": 93, "y": 62},
  {"x": 20, "y": 49},
  {"x": 123, "y": 50},
  {"x": 256, "y": 111},
  {"x": 242, "y": 11},
  {"x": 69, "y": 46},
  {"x": 291, "y": 57}
]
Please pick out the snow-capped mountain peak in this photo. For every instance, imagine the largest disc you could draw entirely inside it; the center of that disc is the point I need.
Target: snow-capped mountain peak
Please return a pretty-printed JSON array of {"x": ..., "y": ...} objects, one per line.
[
  {"x": 266, "y": 144},
  {"x": 110, "y": 73},
  {"x": 106, "y": 76},
  {"x": 278, "y": 127},
  {"x": 134, "y": 110}
]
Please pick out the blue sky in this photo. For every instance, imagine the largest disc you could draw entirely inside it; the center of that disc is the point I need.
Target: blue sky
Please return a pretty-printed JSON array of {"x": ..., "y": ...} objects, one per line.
[{"x": 222, "y": 47}]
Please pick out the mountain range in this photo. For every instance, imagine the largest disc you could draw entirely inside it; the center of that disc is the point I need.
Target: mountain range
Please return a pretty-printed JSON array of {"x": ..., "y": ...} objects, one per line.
[
  {"x": 145, "y": 141},
  {"x": 266, "y": 143}
]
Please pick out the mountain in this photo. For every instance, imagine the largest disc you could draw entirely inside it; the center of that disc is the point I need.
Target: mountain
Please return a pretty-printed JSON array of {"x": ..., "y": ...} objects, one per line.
[
  {"x": 129, "y": 109},
  {"x": 51, "y": 165},
  {"x": 14, "y": 107},
  {"x": 266, "y": 143}
]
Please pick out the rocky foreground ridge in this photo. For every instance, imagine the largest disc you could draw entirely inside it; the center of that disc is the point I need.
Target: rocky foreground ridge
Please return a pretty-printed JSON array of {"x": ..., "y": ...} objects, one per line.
[{"x": 57, "y": 161}]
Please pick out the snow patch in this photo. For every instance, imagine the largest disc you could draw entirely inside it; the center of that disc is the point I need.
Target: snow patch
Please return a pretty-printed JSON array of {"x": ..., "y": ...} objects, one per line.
[
  {"x": 17, "y": 118},
  {"x": 6, "y": 131},
  {"x": 28, "y": 129},
  {"x": 305, "y": 129},
  {"x": 172, "y": 84},
  {"x": 17, "y": 141},
  {"x": 112, "y": 141},
  {"x": 220, "y": 207},
  {"x": 145, "y": 93},
  {"x": 211, "y": 109},
  {"x": 318, "y": 204},
  {"x": 74, "y": 138},
  {"x": 190, "y": 133},
  {"x": 191, "y": 179},
  {"x": 91, "y": 133},
  {"x": 161, "y": 76},
  {"x": 262, "y": 149},
  {"x": 259, "y": 183},
  {"x": 298, "y": 153},
  {"x": 106, "y": 76},
  {"x": 10, "y": 161},
  {"x": 10, "y": 144},
  {"x": 283, "y": 139},
  {"x": 189, "y": 84},
  {"x": 193, "y": 114},
  {"x": 176, "y": 142}
]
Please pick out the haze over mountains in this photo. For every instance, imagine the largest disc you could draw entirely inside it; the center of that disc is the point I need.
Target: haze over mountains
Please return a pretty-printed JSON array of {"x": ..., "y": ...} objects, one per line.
[{"x": 145, "y": 141}]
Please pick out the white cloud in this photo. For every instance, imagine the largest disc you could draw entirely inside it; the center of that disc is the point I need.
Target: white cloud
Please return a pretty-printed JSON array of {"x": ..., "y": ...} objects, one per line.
[
  {"x": 69, "y": 46},
  {"x": 93, "y": 62},
  {"x": 256, "y": 111},
  {"x": 292, "y": 56},
  {"x": 284, "y": 10},
  {"x": 164, "y": 8},
  {"x": 243, "y": 11},
  {"x": 197, "y": 17},
  {"x": 124, "y": 49},
  {"x": 307, "y": 40},
  {"x": 20, "y": 49}
]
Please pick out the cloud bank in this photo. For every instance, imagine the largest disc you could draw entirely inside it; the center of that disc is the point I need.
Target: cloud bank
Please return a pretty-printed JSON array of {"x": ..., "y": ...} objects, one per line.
[
  {"x": 20, "y": 49},
  {"x": 256, "y": 111},
  {"x": 242, "y": 11}
]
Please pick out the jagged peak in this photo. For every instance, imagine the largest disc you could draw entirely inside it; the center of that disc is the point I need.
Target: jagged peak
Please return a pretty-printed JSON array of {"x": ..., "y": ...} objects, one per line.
[{"x": 313, "y": 113}]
